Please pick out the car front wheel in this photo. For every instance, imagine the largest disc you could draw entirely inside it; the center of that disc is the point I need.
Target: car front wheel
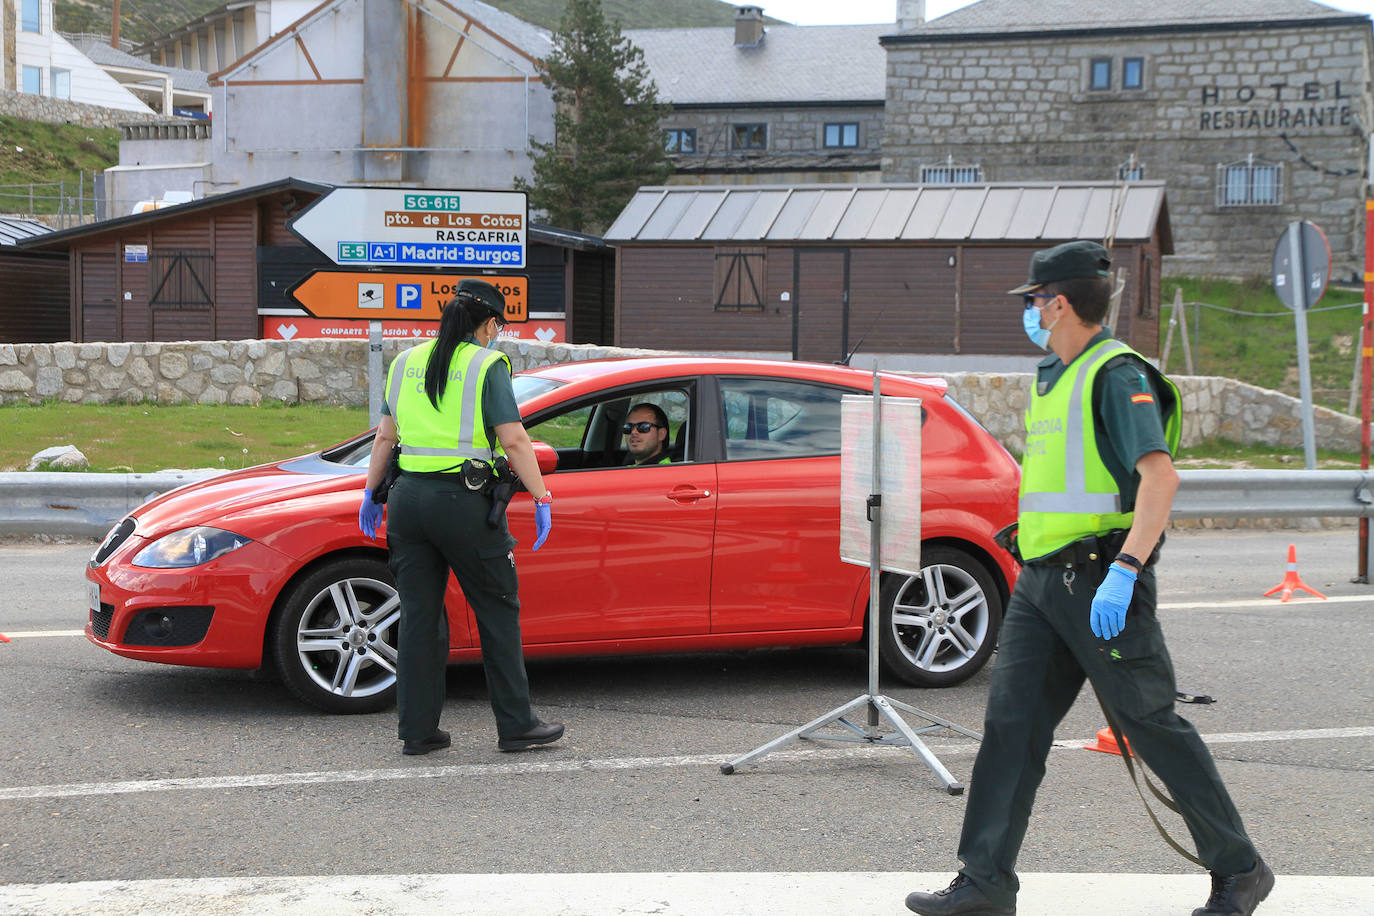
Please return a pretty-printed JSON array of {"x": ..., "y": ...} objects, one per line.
[
  {"x": 939, "y": 628},
  {"x": 335, "y": 640}
]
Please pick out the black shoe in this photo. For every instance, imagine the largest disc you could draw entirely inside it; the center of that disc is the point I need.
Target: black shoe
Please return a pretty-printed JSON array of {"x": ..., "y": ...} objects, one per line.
[
  {"x": 542, "y": 733},
  {"x": 434, "y": 742},
  {"x": 961, "y": 898},
  {"x": 1238, "y": 894}
]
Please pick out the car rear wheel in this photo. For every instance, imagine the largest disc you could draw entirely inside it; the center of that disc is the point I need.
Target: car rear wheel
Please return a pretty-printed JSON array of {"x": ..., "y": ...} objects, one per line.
[
  {"x": 939, "y": 628},
  {"x": 335, "y": 641}
]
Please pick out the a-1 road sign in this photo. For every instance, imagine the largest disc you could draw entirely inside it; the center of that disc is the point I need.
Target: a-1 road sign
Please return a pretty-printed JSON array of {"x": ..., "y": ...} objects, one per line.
[
  {"x": 414, "y": 296},
  {"x": 417, "y": 227}
]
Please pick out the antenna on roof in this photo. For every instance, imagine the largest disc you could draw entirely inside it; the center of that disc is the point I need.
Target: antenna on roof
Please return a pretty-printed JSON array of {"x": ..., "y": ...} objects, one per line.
[{"x": 876, "y": 321}]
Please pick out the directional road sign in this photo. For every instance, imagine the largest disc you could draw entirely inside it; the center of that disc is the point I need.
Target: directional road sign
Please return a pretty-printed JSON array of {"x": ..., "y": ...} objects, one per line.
[
  {"x": 410, "y": 296},
  {"x": 399, "y": 227}
]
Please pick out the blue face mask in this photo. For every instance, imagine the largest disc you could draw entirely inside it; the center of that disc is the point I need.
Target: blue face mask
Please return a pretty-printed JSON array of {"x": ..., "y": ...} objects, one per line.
[{"x": 1030, "y": 320}]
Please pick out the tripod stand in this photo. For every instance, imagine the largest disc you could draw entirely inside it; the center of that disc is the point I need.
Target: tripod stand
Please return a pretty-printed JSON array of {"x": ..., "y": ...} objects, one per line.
[{"x": 877, "y": 706}]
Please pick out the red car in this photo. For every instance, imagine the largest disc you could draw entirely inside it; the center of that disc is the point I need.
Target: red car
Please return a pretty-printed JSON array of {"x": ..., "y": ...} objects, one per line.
[{"x": 733, "y": 545}]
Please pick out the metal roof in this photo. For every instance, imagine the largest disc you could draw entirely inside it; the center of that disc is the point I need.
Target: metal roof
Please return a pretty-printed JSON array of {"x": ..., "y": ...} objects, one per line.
[
  {"x": 835, "y": 63},
  {"x": 1011, "y": 16},
  {"x": 13, "y": 228},
  {"x": 1031, "y": 211}
]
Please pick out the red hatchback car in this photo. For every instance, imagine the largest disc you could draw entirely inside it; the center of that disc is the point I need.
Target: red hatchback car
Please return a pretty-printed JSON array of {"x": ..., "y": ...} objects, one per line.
[{"x": 732, "y": 545}]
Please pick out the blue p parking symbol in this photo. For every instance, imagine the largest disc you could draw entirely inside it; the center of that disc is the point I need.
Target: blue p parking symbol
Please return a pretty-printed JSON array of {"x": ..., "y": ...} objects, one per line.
[{"x": 407, "y": 295}]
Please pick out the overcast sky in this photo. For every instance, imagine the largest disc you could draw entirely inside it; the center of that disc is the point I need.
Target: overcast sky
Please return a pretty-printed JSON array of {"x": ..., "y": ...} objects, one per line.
[{"x": 850, "y": 12}]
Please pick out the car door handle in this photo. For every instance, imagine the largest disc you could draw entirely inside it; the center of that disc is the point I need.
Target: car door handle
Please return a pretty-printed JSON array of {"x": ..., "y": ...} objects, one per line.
[{"x": 687, "y": 494}]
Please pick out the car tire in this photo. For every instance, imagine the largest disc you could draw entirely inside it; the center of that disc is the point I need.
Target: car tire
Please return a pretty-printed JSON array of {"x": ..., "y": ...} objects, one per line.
[
  {"x": 334, "y": 641},
  {"x": 939, "y": 628}
]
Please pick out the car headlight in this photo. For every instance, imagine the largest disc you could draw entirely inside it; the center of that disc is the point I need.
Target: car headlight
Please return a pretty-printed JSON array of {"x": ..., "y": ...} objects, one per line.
[{"x": 189, "y": 547}]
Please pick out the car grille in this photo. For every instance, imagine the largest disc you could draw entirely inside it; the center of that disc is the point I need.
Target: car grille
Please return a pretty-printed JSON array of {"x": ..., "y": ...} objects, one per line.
[
  {"x": 118, "y": 535},
  {"x": 100, "y": 620}
]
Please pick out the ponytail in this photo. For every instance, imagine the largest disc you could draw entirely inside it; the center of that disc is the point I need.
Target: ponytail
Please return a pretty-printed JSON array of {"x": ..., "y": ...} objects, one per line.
[{"x": 461, "y": 318}]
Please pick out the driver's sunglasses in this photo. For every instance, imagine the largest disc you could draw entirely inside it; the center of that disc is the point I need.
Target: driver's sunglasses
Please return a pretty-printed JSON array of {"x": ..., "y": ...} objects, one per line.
[
  {"x": 642, "y": 426},
  {"x": 1029, "y": 298}
]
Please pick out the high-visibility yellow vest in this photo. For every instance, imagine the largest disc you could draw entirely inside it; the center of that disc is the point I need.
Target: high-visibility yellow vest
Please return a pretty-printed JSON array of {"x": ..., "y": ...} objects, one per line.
[
  {"x": 439, "y": 440},
  {"x": 1067, "y": 492}
]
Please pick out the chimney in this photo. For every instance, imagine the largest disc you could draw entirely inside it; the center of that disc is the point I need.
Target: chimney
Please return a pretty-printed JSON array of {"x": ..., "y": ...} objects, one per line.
[
  {"x": 748, "y": 26},
  {"x": 910, "y": 13}
]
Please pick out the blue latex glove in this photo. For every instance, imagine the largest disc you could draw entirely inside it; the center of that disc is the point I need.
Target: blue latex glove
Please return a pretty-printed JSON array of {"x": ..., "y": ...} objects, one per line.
[
  {"x": 1110, "y": 603},
  {"x": 543, "y": 521},
  {"x": 369, "y": 515}
]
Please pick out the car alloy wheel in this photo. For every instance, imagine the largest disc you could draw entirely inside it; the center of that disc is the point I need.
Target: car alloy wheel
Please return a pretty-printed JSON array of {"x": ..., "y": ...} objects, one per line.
[
  {"x": 336, "y": 637},
  {"x": 939, "y": 628}
]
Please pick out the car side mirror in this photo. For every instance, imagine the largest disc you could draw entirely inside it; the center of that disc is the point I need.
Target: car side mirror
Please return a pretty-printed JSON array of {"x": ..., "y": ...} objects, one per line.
[{"x": 546, "y": 456}]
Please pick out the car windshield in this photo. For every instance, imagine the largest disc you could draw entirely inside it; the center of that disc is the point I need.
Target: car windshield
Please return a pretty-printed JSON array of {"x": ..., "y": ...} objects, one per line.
[{"x": 529, "y": 387}]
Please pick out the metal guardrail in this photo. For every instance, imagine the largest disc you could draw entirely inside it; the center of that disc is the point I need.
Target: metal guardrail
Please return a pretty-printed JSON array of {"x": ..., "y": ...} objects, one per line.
[
  {"x": 60, "y": 503},
  {"x": 75, "y": 503}
]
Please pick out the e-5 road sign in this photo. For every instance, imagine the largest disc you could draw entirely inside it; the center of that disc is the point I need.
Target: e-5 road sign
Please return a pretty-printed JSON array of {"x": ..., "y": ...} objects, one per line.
[
  {"x": 416, "y": 227},
  {"x": 413, "y": 296}
]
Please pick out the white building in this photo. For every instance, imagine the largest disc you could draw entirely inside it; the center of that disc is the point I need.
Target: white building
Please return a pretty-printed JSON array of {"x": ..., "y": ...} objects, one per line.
[{"x": 45, "y": 63}]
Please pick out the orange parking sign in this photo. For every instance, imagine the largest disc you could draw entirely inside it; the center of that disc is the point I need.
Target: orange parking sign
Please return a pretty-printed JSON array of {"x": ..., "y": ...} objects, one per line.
[{"x": 372, "y": 295}]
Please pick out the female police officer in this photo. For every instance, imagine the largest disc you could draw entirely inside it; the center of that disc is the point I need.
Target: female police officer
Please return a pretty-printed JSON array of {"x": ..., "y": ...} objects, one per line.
[{"x": 444, "y": 401}]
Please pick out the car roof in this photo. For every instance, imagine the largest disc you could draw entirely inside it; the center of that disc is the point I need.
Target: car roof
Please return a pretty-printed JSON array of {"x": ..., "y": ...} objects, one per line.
[{"x": 629, "y": 369}]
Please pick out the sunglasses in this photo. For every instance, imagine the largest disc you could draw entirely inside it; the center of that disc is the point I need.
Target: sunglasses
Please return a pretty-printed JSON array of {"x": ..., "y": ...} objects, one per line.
[
  {"x": 642, "y": 426},
  {"x": 1029, "y": 298}
]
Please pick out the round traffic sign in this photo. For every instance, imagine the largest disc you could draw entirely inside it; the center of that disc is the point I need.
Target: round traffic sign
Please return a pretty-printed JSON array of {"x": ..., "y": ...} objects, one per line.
[{"x": 1302, "y": 265}]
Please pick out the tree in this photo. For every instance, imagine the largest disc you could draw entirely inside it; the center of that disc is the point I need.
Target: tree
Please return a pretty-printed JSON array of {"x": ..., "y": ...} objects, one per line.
[{"x": 607, "y": 142}]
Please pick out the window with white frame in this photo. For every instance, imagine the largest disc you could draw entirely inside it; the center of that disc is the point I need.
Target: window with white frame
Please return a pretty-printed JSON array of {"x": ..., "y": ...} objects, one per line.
[
  {"x": 32, "y": 80},
  {"x": 61, "y": 83},
  {"x": 950, "y": 173},
  {"x": 842, "y": 134},
  {"x": 30, "y": 17},
  {"x": 1250, "y": 182}
]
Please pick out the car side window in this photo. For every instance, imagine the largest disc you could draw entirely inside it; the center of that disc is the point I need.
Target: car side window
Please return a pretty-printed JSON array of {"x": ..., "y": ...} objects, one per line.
[
  {"x": 591, "y": 434},
  {"x": 776, "y": 418}
]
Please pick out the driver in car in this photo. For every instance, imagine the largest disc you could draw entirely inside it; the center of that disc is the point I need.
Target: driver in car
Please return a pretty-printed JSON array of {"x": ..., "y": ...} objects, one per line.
[{"x": 646, "y": 435}]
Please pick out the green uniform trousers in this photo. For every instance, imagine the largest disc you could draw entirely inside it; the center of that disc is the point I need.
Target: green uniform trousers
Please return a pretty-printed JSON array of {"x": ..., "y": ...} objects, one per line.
[
  {"x": 1046, "y": 649},
  {"x": 435, "y": 525}
]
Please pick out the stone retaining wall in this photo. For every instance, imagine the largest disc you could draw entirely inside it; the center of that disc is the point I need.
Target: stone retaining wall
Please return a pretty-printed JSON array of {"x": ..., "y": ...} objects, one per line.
[
  {"x": 32, "y": 107},
  {"x": 335, "y": 372}
]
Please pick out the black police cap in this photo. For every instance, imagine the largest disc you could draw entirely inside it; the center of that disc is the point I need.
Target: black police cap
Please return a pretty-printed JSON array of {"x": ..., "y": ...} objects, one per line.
[{"x": 486, "y": 295}]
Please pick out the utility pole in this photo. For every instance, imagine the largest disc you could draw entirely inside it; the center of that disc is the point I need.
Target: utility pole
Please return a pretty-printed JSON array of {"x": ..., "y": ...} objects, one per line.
[{"x": 114, "y": 26}]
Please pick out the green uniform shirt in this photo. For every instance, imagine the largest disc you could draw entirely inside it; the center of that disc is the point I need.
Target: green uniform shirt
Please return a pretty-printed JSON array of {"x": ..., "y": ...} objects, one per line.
[{"x": 1128, "y": 426}]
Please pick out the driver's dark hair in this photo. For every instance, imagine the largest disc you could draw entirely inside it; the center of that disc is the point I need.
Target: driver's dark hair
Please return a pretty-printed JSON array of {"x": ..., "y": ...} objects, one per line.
[
  {"x": 462, "y": 316},
  {"x": 1088, "y": 296}
]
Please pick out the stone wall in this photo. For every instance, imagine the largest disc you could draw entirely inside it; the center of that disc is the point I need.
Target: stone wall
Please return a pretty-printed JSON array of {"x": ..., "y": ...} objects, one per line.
[
  {"x": 252, "y": 372},
  {"x": 32, "y": 107},
  {"x": 1295, "y": 98}
]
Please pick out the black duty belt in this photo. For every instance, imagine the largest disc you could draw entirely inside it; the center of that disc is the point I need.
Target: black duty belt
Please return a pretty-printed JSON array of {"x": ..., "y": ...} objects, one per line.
[{"x": 1093, "y": 549}]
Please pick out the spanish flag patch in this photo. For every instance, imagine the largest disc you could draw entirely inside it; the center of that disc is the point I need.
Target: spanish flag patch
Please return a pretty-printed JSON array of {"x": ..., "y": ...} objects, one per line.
[{"x": 1143, "y": 397}]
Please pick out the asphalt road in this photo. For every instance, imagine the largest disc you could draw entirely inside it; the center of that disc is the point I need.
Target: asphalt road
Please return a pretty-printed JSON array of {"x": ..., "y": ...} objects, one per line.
[{"x": 112, "y": 769}]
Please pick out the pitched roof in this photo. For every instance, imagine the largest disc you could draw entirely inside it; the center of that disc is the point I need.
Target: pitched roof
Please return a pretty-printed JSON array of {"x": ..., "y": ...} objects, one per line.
[
  {"x": 102, "y": 54},
  {"x": 822, "y": 63},
  {"x": 1004, "y": 211},
  {"x": 15, "y": 228},
  {"x": 1009, "y": 16}
]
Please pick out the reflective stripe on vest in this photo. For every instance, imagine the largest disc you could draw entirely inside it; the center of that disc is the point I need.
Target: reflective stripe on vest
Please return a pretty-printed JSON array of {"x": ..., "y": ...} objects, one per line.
[
  {"x": 1057, "y": 511},
  {"x": 439, "y": 440}
]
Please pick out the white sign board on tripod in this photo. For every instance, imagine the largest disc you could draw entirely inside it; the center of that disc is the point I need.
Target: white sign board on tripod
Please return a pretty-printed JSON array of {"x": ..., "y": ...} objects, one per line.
[{"x": 899, "y": 486}]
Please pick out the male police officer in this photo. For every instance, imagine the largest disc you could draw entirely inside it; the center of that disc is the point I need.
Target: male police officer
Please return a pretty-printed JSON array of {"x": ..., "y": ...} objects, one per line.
[{"x": 1096, "y": 487}]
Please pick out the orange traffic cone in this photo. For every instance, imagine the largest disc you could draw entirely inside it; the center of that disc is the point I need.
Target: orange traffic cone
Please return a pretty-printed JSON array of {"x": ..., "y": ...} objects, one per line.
[
  {"x": 1291, "y": 580},
  {"x": 1106, "y": 743}
]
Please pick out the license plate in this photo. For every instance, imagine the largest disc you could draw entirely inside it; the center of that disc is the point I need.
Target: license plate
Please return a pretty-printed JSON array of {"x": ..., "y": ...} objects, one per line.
[{"x": 93, "y": 588}]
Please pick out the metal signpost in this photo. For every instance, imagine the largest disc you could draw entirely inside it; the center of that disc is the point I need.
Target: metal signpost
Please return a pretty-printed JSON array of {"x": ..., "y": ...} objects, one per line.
[
  {"x": 1302, "y": 267},
  {"x": 898, "y": 455},
  {"x": 465, "y": 230}
]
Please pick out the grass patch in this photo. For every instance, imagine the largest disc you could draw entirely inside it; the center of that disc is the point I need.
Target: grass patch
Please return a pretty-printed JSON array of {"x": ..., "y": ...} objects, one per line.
[
  {"x": 1261, "y": 348},
  {"x": 42, "y": 154},
  {"x": 149, "y": 437},
  {"x": 1219, "y": 453}
]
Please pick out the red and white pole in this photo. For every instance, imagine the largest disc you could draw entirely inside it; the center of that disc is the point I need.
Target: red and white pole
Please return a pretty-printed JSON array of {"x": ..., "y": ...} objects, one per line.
[{"x": 1366, "y": 372}]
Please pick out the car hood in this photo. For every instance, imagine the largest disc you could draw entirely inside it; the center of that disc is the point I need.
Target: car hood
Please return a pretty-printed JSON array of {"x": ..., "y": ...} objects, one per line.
[{"x": 245, "y": 501}]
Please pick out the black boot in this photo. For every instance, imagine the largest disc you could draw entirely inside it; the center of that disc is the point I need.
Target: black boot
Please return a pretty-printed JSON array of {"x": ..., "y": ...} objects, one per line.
[
  {"x": 1238, "y": 894},
  {"x": 961, "y": 898}
]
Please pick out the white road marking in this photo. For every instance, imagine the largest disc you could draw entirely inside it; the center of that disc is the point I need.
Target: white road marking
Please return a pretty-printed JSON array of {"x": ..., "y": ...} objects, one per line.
[
  {"x": 1262, "y": 602},
  {"x": 260, "y": 780},
  {"x": 40, "y": 634},
  {"x": 656, "y": 894}
]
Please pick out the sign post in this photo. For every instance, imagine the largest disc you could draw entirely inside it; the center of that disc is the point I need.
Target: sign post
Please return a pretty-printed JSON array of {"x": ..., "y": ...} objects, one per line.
[{"x": 1302, "y": 267}]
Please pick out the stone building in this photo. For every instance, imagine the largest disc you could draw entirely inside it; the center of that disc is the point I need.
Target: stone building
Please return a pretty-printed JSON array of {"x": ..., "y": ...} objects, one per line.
[{"x": 1253, "y": 113}]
